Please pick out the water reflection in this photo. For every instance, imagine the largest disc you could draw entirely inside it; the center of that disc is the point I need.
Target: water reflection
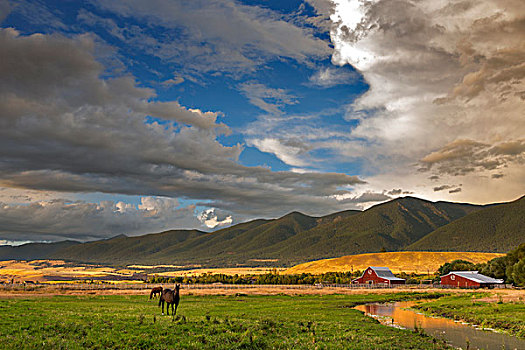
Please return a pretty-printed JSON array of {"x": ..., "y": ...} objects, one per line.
[{"x": 456, "y": 334}]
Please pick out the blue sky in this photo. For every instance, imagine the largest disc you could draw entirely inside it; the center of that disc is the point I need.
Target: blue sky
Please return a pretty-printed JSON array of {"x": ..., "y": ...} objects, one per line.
[{"x": 137, "y": 116}]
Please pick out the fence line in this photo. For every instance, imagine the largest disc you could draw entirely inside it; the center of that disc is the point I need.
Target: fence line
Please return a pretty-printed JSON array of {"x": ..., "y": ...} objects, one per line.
[{"x": 145, "y": 286}]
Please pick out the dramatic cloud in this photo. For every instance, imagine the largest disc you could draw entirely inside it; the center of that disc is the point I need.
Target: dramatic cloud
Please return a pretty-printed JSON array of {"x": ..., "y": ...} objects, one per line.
[
  {"x": 60, "y": 219},
  {"x": 80, "y": 116},
  {"x": 65, "y": 128},
  {"x": 446, "y": 83}
]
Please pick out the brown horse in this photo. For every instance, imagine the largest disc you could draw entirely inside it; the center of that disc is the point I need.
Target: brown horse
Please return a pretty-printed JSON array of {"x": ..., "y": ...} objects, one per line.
[
  {"x": 155, "y": 291},
  {"x": 171, "y": 297}
]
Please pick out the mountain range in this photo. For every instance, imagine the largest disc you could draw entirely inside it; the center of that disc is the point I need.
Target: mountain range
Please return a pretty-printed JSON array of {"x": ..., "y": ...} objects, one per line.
[{"x": 401, "y": 224}]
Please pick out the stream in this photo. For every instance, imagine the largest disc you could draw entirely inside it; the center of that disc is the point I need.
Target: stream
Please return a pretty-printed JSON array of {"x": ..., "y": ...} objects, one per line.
[{"x": 454, "y": 333}]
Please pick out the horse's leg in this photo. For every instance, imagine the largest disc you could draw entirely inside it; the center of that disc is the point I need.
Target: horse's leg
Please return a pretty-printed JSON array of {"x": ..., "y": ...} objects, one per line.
[
  {"x": 176, "y": 306},
  {"x": 173, "y": 313}
]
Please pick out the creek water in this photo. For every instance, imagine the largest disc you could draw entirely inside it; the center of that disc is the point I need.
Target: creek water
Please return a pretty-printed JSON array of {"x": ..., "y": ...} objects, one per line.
[{"x": 456, "y": 334}]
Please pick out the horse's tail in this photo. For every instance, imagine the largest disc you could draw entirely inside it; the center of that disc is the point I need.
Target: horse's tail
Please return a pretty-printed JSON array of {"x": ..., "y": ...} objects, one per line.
[
  {"x": 151, "y": 294},
  {"x": 161, "y": 299}
]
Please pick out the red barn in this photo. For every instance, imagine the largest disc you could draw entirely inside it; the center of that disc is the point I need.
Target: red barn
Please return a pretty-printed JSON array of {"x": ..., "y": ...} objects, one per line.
[
  {"x": 468, "y": 279},
  {"x": 378, "y": 275}
]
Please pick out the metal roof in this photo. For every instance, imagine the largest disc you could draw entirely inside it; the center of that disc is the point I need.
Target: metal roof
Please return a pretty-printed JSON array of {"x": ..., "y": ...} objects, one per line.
[
  {"x": 474, "y": 276},
  {"x": 384, "y": 272}
]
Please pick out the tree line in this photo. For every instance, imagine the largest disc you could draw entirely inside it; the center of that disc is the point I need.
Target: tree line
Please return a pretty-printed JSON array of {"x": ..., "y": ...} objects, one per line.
[
  {"x": 510, "y": 268},
  {"x": 273, "y": 277}
]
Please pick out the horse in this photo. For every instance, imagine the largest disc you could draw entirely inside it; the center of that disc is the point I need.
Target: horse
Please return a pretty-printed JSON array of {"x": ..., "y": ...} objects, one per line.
[
  {"x": 171, "y": 297},
  {"x": 155, "y": 291}
]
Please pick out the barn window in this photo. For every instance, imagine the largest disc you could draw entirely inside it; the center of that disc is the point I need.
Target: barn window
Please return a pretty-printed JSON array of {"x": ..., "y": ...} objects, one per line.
[
  {"x": 369, "y": 272},
  {"x": 452, "y": 277}
]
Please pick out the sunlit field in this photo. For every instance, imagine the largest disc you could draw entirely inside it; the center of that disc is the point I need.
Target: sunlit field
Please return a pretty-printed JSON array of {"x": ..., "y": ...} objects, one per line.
[
  {"x": 57, "y": 270},
  {"x": 50, "y": 270},
  {"x": 408, "y": 262}
]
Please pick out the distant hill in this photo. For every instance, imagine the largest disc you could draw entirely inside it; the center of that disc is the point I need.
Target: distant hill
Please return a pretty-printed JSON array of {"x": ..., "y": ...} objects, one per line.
[
  {"x": 417, "y": 262},
  {"x": 389, "y": 226},
  {"x": 230, "y": 246},
  {"x": 292, "y": 239},
  {"x": 498, "y": 228},
  {"x": 33, "y": 251}
]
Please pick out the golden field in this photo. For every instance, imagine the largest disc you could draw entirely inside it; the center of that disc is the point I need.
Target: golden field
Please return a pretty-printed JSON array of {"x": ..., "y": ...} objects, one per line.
[
  {"x": 226, "y": 271},
  {"x": 57, "y": 270},
  {"x": 409, "y": 262},
  {"x": 50, "y": 270}
]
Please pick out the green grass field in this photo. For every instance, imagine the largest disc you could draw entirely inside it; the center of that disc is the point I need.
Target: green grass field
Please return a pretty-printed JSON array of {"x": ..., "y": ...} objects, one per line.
[
  {"x": 508, "y": 316},
  {"x": 203, "y": 322}
]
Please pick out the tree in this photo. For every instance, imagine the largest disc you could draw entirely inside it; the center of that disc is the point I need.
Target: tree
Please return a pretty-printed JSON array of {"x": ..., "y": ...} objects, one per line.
[
  {"x": 457, "y": 265},
  {"x": 516, "y": 273},
  {"x": 496, "y": 268},
  {"x": 515, "y": 270}
]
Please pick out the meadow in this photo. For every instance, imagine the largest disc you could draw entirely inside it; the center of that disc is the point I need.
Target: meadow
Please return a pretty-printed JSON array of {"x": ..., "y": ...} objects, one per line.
[
  {"x": 507, "y": 316},
  {"x": 210, "y": 322}
]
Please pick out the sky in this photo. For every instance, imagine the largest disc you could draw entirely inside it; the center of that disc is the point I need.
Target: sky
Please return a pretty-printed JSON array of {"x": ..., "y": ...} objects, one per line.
[{"x": 131, "y": 117}]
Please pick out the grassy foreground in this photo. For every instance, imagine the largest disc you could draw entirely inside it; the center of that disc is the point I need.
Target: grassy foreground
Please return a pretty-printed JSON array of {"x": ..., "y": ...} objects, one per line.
[
  {"x": 508, "y": 316},
  {"x": 213, "y": 322}
]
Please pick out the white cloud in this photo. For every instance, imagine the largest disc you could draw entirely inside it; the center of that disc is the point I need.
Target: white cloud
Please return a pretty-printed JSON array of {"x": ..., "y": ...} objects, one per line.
[
  {"x": 289, "y": 151},
  {"x": 214, "y": 218},
  {"x": 439, "y": 73}
]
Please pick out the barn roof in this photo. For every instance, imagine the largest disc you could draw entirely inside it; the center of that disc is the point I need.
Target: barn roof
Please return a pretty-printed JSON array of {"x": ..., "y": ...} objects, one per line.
[
  {"x": 384, "y": 272},
  {"x": 474, "y": 276}
]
